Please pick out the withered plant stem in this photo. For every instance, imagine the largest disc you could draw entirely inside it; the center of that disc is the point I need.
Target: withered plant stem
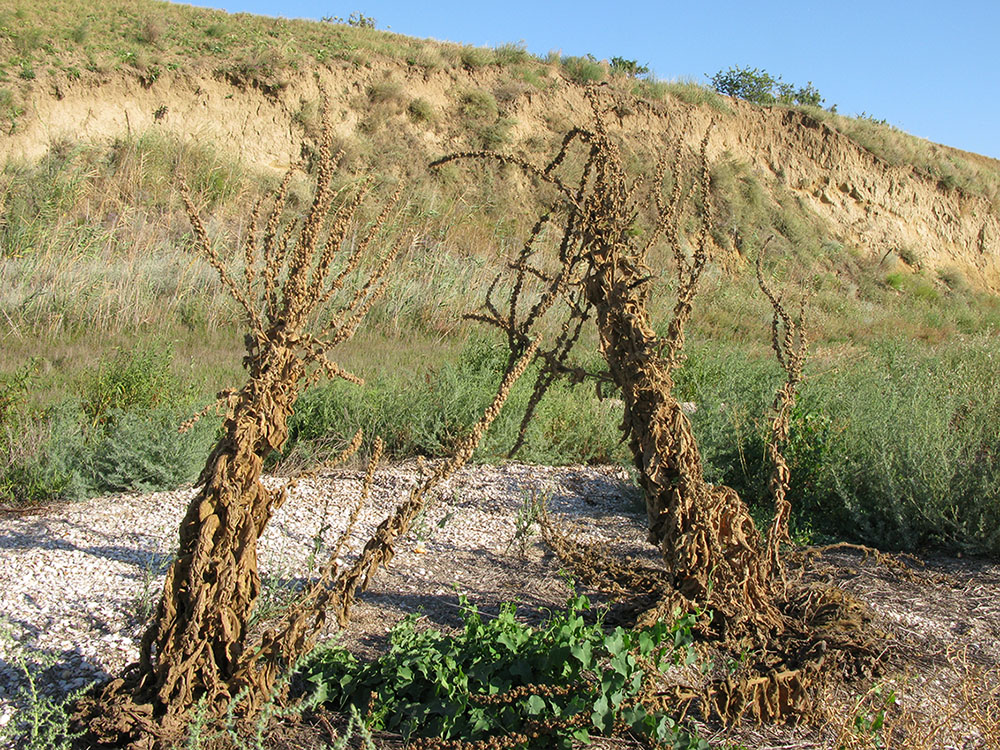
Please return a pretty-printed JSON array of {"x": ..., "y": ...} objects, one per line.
[
  {"x": 196, "y": 651},
  {"x": 714, "y": 557}
]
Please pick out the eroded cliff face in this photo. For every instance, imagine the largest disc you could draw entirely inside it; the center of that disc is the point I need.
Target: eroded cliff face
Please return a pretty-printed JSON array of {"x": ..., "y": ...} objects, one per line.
[{"x": 864, "y": 201}]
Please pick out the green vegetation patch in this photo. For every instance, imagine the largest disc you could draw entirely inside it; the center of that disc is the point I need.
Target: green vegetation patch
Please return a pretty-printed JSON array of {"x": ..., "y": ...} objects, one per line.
[
  {"x": 895, "y": 446},
  {"x": 584, "y": 70},
  {"x": 122, "y": 434},
  {"x": 550, "y": 686}
]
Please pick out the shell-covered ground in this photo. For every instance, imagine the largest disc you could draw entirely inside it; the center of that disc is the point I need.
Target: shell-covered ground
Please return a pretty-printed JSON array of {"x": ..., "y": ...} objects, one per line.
[{"x": 77, "y": 581}]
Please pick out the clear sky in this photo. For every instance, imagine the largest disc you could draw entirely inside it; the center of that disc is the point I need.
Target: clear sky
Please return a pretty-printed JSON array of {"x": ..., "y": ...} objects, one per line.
[{"x": 929, "y": 68}]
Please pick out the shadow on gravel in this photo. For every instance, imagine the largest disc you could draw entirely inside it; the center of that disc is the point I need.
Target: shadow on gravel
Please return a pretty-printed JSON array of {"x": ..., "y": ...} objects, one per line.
[
  {"x": 55, "y": 673},
  {"x": 42, "y": 535}
]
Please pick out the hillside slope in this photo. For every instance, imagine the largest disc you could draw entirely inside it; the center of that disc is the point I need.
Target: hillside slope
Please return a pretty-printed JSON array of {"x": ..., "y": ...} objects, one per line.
[{"x": 861, "y": 199}]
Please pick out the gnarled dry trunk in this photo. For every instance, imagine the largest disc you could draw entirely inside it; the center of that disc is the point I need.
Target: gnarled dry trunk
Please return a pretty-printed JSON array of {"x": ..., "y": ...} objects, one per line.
[
  {"x": 193, "y": 648},
  {"x": 196, "y": 652},
  {"x": 715, "y": 558},
  {"x": 706, "y": 534},
  {"x": 707, "y": 537}
]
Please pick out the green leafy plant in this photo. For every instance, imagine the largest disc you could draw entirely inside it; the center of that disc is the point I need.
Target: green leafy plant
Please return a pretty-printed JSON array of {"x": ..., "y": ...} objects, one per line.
[
  {"x": 760, "y": 87},
  {"x": 526, "y": 520},
  {"x": 630, "y": 68},
  {"x": 559, "y": 682}
]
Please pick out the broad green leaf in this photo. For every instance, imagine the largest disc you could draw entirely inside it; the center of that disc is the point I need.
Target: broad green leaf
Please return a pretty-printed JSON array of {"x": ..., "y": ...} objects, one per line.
[
  {"x": 583, "y": 652},
  {"x": 536, "y": 704},
  {"x": 602, "y": 717}
]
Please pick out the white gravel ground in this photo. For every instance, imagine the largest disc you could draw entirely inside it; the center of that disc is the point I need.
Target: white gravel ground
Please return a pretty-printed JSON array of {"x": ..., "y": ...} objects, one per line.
[{"x": 76, "y": 578}]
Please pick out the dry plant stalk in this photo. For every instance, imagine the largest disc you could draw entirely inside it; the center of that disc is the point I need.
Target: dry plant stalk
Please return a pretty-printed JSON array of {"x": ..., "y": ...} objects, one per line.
[
  {"x": 195, "y": 650},
  {"x": 706, "y": 534},
  {"x": 595, "y": 268},
  {"x": 336, "y": 587},
  {"x": 789, "y": 342}
]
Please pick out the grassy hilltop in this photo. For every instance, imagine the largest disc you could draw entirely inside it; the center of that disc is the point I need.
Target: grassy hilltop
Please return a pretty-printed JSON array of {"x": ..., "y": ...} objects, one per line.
[{"x": 113, "y": 332}]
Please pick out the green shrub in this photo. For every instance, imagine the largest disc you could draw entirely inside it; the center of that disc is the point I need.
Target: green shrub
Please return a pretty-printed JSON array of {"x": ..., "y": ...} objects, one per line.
[
  {"x": 26, "y": 474},
  {"x": 476, "y": 104},
  {"x": 120, "y": 436},
  {"x": 758, "y": 86},
  {"x": 33, "y": 451},
  {"x": 427, "y": 413},
  {"x": 583, "y": 69},
  {"x": 434, "y": 685},
  {"x": 631, "y": 68},
  {"x": 14, "y": 390},
  {"x": 428, "y": 58},
  {"x": 133, "y": 379},
  {"x": 511, "y": 54},
  {"x": 64, "y": 457},
  {"x": 897, "y": 449},
  {"x": 143, "y": 452},
  {"x": 216, "y": 31},
  {"x": 732, "y": 391},
  {"x": 475, "y": 57},
  {"x": 421, "y": 110},
  {"x": 913, "y": 446},
  {"x": 261, "y": 67},
  {"x": 923, "y": 289},
  {"x": 40, "y": 721}
]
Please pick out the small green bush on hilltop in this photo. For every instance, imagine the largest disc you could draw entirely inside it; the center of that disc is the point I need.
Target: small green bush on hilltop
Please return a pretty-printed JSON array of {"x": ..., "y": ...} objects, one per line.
[
  {"x": 630, "y": 68},
  {"x": 758, "y": 86}
]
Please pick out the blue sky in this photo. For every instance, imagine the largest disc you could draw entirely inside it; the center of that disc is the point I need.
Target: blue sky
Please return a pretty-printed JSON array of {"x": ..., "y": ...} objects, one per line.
[{"x": 929, "y": 68}]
